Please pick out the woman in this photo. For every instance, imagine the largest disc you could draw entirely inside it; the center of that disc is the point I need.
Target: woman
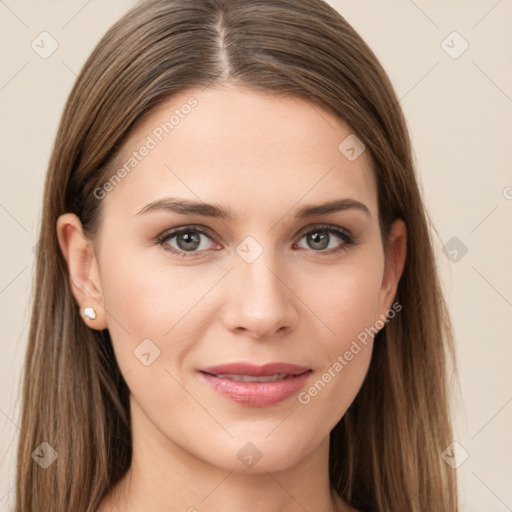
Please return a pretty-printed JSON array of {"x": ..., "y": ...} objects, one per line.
[{"x": 236, "y": 292}]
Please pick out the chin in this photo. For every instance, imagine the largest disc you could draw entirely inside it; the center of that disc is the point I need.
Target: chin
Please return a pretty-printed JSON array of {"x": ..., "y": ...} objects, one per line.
[{"x": 258, "y": 454}]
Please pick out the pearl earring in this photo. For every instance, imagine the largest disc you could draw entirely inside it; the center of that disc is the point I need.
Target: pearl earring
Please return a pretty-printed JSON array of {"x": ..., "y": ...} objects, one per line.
[{"x": 90, "y": 313}]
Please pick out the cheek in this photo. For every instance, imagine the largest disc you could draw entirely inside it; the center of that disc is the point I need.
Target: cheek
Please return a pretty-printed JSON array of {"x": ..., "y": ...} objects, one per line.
[
  {"x": 166, "y": 301},
  {"x": 348, "y": 306},
  {"x": 347, "y": 301},
  {"x": 159, "y": 301}
]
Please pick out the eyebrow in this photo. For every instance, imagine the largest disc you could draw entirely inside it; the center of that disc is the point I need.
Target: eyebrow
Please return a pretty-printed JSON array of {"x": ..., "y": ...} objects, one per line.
[{"x": 185, "y": 206}]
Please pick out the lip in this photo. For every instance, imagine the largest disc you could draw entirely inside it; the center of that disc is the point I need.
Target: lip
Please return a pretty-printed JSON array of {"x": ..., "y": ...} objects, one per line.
[
  {"x": 254, "y": 370},
  {"x": 256, "y": 394}
]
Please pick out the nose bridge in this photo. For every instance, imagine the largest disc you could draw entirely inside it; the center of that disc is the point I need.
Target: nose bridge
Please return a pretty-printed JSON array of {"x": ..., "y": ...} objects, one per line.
[
  {"x": 261, "y": 304},
  {"x": 258, "y": 279}
]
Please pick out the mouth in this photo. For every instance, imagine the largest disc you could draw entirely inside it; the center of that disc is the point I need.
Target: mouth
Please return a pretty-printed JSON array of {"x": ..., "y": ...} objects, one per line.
[
  {"x": 256, "y": 386},
  {"x": 251, "y": 378}
]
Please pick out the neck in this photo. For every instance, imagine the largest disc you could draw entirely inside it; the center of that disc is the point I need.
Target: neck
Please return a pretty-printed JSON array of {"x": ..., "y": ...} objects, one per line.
[{"x": 164, "y": 477}]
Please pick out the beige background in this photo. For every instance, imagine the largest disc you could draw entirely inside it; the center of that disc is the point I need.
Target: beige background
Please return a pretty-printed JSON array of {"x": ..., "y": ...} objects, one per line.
[{"x": 459, "y": 111}]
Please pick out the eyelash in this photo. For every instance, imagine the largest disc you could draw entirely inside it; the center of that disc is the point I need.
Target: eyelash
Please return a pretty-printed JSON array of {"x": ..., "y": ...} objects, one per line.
[{"x": 346, "y": 237}]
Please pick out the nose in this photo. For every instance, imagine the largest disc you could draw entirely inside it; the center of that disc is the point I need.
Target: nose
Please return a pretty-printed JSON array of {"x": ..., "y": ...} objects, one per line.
[{"x": 261, "y": 303}]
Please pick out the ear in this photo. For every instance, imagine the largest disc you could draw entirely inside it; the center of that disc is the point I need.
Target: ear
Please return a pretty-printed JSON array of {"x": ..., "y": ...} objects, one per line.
[
  {"x": 395, "y": 254},
  {"x": 78, "y": 251}
]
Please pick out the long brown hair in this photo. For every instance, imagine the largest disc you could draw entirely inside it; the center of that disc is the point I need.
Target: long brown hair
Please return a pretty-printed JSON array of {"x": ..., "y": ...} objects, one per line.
[{"x": 385, "y": 453}]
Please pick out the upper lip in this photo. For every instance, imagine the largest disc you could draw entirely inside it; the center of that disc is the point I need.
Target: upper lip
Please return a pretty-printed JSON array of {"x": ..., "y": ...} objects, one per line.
[{"x": 256, "y": 371}]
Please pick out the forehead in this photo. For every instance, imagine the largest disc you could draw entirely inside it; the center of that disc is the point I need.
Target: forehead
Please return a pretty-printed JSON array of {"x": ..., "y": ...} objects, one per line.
[{"x": 249, "y": 149}]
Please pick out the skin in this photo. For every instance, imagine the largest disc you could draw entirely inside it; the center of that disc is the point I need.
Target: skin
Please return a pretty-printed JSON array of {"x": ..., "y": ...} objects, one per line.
[{"x": 291, "y": 304}]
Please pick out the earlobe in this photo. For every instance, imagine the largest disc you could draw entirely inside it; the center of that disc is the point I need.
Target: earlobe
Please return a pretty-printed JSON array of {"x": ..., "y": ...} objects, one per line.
[
  {"x": 78, "y": 252},
  {"x": 394, "y": 264}
]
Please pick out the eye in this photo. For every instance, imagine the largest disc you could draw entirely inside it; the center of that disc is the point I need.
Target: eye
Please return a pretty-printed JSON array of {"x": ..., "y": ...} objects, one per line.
[
  {"x": 185, "y": 240},
  {"x": 188, "y": 241},
  {"x": 322, "y": 239}
]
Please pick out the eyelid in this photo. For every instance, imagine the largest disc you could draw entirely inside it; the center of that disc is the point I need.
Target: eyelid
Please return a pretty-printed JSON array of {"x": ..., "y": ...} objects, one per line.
[{"x": 312, "y": 227}]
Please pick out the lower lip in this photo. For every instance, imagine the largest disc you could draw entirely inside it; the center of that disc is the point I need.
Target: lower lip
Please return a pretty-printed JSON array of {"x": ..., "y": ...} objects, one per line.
[{"x": 257, "y": 394}]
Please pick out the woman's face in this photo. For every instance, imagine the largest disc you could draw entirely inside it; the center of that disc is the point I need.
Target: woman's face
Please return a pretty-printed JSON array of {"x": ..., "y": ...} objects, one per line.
[{"x": 185, "y": 290}]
